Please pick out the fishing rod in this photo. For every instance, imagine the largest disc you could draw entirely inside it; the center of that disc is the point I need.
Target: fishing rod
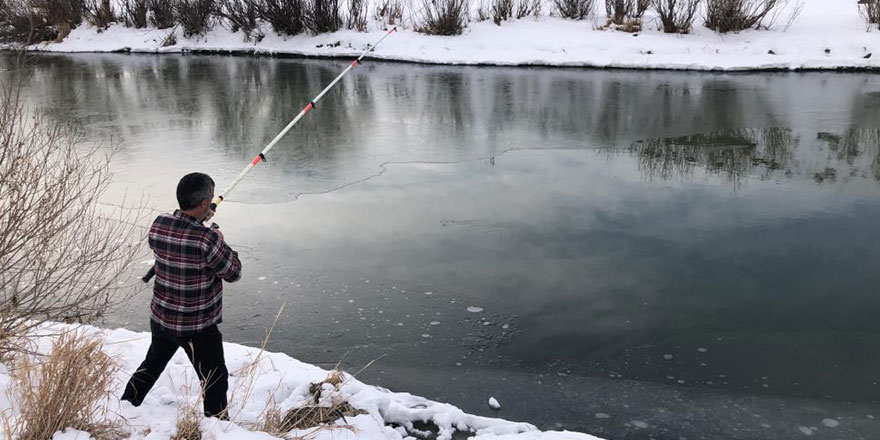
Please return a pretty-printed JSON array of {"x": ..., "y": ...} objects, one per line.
[{"x": 261, "y": 157}]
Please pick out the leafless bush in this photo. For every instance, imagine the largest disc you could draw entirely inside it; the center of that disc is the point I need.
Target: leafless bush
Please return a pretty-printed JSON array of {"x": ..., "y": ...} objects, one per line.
[
  {"x": 677, "y": 16},
  {"x": 870, "y": 9},
  {"x": 443, "y": 17},
  {"x": 162, "y": 13},
  {"x": 622, "y": 11},
  {"x": 574, "y": 9},
  {"x": 194, "y": 16},
  {"x": 323, "y": 16},
  {"x": 19, "y": 24},
  {"x": 241, "y": 15},
  {"x": 134, "y": 13},
  {"x": 389, "y": 12},
  {"x": 99, "y": 14},
  {"x": 735, "y": 15},
  {"x": 68, "y": 389},
  {"x": 61, "y": 15},
  {"x": 285, "y": 16},
  {"x": 62, "y": 255},
  {"x": 357, "y": 15},
  {"x": 503, "y": 10}
]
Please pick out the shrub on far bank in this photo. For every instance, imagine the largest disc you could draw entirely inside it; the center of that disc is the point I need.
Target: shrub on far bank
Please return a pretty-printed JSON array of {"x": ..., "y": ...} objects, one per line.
[
  {"x": 443, "y": 17},
  {"x": 134, "y": 13},
  {"x": 503, "y": 10},
  {"x": 357, "y": 15},
  {"x": 286, "y": 16},
  {"x": 194, "y": 16},
  {"x": 323, "y": 16},
  {"x": 60, "y": 15},
  {"x": 389, "y": 12},
  {"x": 99, "y": 14},
  {"x": 736, "y": 15},
  {"x": 677, "y": 16},
  {"x": 162, "y": 13},
  {"x": 241, "y": 15},
  {"x": 870, "y": 9},
  {"x": 621, "y": 11},
  {"x": 574, "y": 9}
]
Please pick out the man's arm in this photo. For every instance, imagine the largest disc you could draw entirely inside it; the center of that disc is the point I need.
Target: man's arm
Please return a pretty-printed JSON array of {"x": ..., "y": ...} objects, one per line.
[{"x": 221, "y": 259}]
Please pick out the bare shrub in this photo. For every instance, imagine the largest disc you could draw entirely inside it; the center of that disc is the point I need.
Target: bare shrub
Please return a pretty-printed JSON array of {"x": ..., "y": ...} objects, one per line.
[
  {"x": 68, "y": 389},
  {"x": 285, "y": 16},
  {"x": 323, "y": 16},
  {"x": 134, "y": 13},
  {"x": 503, "y": 10},
  {"x": 20, "y": 24},
  {"x": 241, "y": 15},
  {"x": 357, "y": 15},
  {"x": 389, "y": 12},
  {"x": 162, "y": 13},
  {"x": 443, "y": 17},
  {"x": 574, "y": 9},
  {"x": 62, "y": 255},
  {"x": 194, "y": 16},
  {"x": 870, "y": 10},
  {"x": 677, "y": 16},
  {"x": 621, "y": 11},
  {"x": 99, "y": 14},
  {"x": 60, "y": 15},
  {"x": 736, "y": 15}
]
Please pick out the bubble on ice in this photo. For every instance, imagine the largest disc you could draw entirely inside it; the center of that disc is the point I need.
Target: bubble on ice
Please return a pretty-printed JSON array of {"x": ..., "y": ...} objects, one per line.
[
  {"x": 261, "y": 278},
  {"x": 493, "y": 403},
  {"x": 435, "y": 322},
  {"x": 425, "y": 335},
  {"x": 831, "y": 423},
  {"x": 602, "y": 416},
  {"x": 429, "y": 293},
  {"x": 667, "y": 356},
  {"x": 639, "y": 424},
  {"x": 806, "y": 430},
  {"x": 702, "y": 350},
  {"x": 474, "y": 309}
]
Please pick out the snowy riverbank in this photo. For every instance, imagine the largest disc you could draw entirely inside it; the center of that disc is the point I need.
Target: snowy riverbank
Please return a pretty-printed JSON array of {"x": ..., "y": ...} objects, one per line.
[
  {"x": 827, "y": 35},
  {"x": 284, "y": 380}
]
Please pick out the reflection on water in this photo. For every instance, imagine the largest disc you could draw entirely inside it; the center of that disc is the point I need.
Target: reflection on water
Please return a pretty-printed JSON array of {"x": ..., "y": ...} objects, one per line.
[{"x": 693, "y": 251}]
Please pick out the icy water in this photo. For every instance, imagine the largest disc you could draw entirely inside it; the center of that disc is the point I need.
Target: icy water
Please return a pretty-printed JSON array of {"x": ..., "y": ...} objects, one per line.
[{"x": 629, "y": 254}]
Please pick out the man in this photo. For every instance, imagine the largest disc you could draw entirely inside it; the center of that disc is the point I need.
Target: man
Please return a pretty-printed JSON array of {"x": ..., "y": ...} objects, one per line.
[{"x": 192, "y": 261}]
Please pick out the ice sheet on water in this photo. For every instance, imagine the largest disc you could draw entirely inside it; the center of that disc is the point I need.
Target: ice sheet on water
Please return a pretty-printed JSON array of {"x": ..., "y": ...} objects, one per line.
[{"x": 474, "y": 309}]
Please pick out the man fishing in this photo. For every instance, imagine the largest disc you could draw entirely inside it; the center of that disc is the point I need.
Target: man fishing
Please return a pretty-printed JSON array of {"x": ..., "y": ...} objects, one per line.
[{"x": 192, "y": 261}]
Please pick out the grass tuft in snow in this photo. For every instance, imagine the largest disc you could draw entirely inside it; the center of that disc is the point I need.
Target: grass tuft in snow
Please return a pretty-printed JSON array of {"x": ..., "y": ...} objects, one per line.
[{"x": 68, "y": 389}]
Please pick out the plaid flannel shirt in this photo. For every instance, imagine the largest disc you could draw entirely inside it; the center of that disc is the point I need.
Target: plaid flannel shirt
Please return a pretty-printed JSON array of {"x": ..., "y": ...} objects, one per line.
[{"x": 191, "y": 265}]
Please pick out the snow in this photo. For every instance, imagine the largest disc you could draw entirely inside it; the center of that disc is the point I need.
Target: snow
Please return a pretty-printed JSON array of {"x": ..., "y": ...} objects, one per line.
[
  {"x": 493, "y": 403},
  {"x": 280, "y": 378},
  {"x": 826, "y": 35}
]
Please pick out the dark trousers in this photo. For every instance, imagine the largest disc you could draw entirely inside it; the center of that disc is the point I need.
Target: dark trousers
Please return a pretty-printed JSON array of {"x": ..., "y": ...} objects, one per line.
[{"x": 205, "y": 352}]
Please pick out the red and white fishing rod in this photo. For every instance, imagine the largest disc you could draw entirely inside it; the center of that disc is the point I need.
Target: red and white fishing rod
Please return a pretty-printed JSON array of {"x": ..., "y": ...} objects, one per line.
[
  {"x": 311, "y": 106},
  {"x": 262, "y": 155}
]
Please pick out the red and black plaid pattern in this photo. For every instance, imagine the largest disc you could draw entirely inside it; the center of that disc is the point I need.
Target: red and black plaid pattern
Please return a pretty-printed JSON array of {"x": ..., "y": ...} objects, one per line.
[{"x": 191, "y": 265}]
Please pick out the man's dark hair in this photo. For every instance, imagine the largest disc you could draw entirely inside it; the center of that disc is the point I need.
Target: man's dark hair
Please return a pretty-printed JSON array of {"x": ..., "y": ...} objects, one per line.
[{"x": 193, "y": 188}]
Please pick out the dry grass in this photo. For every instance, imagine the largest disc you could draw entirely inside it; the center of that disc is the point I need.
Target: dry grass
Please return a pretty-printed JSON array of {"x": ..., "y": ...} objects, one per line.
[
  {"x": 188, "y": 424},
  {"x": 69, "y": 388}
]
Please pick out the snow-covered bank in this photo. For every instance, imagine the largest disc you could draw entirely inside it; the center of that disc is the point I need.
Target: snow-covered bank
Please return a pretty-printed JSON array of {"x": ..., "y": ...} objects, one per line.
[
  {"x": 827, "y": 35},
  {"x": 284, "y": 380}
]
